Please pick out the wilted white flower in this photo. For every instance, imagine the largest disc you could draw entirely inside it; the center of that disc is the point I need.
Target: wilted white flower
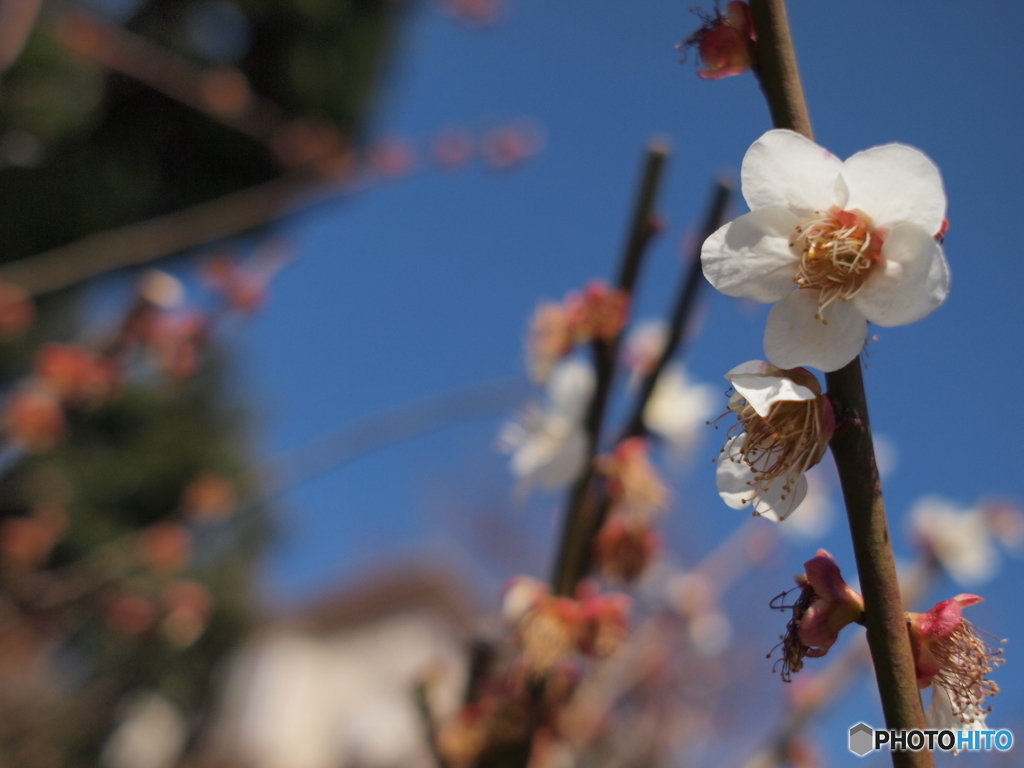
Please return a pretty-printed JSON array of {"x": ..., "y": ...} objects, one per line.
[
  {"x": 786, "y": 425},
  {"x": 836, "y": 244},
  {"x": 943, "y": 715},
  {"x": 549, "y": 445},
  {"x": 678, "y": 408}
]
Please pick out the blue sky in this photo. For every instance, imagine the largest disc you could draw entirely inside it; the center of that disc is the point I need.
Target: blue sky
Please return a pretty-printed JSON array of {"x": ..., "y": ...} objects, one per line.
[{"x": 424, "y": 285}]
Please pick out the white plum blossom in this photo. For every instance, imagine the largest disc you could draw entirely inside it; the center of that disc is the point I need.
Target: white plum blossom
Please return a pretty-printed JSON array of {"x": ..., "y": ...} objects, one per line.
[
  {"x": 835, "y": 243},
  {"x": 548, "y": 444},
  {"x": 679, "y": 408},
  {"x": 786, "y": 424}
]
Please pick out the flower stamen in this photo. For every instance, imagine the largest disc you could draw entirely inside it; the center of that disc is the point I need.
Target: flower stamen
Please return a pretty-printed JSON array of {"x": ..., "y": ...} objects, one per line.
[
  {"x": 787, "y": 442},
  {"x": 837, "y": 252}
]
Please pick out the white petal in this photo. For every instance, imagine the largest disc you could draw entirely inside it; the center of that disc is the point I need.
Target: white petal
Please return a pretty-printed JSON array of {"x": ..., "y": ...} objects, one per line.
[
  {"x": 570, "y": 387},
  {"x": 783, "y": 169},
  {"x": 777, "y": 503},
  {"x": 751, "y": 257},
  {"x": 910, "y": 283},
  {"x": 734, "y": 476},
  {"x": 763, "y": 390},
  {"x": 896, "y": 183},
  {"x": 794, "y": 337}
]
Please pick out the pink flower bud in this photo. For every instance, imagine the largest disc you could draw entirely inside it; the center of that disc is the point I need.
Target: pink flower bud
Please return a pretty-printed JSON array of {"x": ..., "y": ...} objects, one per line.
[{"x": 725, "y": 44}]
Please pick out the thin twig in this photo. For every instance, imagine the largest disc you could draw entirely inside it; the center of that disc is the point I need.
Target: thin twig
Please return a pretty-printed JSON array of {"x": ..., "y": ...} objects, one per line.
[
  {"x": 574, "y": 546},
  {"x": 162, "y": 236},
  {"x": 852, "y": 445},
  {"x": 686, "y": 302}
]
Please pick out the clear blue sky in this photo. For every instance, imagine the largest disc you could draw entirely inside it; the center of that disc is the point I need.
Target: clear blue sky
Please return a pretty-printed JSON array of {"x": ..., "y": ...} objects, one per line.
[{"x": 425, "y": 285}]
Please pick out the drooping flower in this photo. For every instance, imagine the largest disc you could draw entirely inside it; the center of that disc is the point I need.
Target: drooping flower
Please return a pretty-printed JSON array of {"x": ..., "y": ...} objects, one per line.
[
  {"x": 678, "y": 409},
  {"x": 951, "y": 654},
  {"x": 836, "y": 244},
  {"x": 945, "y": 714},
  {"x": 725, "y": 44},
  {"x": 548, "y": 445},
  {"x": 786, "y": 424},
  {"x": 825, "y": 606}
]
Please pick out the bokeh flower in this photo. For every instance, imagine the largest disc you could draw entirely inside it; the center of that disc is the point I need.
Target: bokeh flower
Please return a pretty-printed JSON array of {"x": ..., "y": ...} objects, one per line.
[
  {"x": 678, "y": 409},
  {"x": 548, "y": 445}
]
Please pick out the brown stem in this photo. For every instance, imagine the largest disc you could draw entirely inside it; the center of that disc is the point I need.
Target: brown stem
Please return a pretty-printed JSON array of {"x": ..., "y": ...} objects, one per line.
[
  {"x": 777, "y": 69},
  {"x": 852, "y": 445},
  {"x": 582, "y": 509}
]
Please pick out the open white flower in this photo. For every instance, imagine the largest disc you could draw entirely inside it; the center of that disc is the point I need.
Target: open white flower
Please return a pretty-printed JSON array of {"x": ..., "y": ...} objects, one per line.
[
  {"x": 678, "y": 408},
  {"x": 786, "y": 425},
  {"x": 836, "y": 244},
  {"x": 960, "y": 539},
  {"x": 548, "y": 445}
]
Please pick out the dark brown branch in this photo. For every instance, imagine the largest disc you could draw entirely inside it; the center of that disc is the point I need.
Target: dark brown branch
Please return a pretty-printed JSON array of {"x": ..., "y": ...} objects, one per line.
[
  {"x": 852, "y": 445},
  {"x": 686, "y": 302},
  {"x": 581, "y": 510}
]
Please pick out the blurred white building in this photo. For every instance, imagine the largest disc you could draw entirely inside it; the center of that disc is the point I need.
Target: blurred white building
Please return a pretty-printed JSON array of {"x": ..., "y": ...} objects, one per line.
[{"x": 336, "y": 686}]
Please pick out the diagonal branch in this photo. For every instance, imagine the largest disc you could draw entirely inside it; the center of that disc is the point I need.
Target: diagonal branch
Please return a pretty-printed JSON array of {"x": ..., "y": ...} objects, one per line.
[
  {"x": 582, "y": 508},
  {"x": 686, "y": 302}
]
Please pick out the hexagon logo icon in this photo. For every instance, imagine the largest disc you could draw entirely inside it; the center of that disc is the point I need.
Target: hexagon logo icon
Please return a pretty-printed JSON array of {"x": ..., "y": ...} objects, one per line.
[{"x": 862, "y": 739}]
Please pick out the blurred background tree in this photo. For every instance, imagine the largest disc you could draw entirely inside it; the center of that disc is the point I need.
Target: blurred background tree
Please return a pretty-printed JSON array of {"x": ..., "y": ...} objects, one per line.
[{"x": 129, "y": 519}]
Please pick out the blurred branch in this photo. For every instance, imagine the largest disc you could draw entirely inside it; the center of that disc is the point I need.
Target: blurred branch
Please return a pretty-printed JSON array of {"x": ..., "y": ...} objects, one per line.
[
  {"x": 686, "y": 302},
  {"x": 17, "y": 20},
  {"x": 575, "y": 543},
  {"x": 159, "y": 237},
  {"x": 223, "y": 94},
  {"x": 403, "y": 422}
]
